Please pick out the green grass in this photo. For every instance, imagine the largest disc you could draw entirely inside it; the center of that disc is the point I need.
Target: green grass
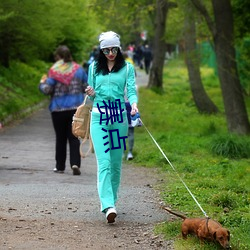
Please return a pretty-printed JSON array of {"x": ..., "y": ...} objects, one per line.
[
  {"x": 19, "y": 88},
  {"x": 214, "y": 164}
]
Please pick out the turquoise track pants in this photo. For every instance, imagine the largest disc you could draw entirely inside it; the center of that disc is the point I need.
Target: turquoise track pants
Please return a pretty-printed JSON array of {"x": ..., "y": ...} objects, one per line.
[{"x": 109, "y": 164}]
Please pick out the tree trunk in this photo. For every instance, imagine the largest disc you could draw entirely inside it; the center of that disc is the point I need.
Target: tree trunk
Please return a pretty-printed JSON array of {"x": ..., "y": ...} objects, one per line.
[
  {"x": 159, "y": 47},
  {"x": 235, "y": 109},
  {"x": 201, "y": 99},
  {"x": 223, "y": 38}
]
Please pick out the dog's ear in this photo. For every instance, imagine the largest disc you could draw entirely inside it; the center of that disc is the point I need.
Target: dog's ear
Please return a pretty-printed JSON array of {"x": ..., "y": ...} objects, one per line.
[
  {"x": 228, "y": 237},
  {"x": 214, "y": 235}
]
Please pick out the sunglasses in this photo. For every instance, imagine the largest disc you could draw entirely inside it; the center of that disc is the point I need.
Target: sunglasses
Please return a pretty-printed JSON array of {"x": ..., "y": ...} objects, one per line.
[{"x": 106, "y": 51}]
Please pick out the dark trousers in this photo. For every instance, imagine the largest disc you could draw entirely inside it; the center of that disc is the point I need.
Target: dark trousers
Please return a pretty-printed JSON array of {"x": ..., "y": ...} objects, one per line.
[
  {"x": 147, "y": 65},
  {"x": 131, "y": 139},
  {"x": 130, "y": 129},
  {"x": 62, "y": 122}
]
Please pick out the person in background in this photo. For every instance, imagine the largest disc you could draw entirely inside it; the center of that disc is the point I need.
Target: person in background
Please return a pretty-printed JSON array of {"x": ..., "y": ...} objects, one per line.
[
  {"x": 130, "y": 133},
  {"x": 92, "y": 57},
  {"x": 131, "y": 129},
  {"x": 108, "y": 78},
  {"x": 138, "y": 52},
  {"x": 65, "y": 83},
  {"x": 147, "y": 54},
  {"x": 93, "y": 54}
]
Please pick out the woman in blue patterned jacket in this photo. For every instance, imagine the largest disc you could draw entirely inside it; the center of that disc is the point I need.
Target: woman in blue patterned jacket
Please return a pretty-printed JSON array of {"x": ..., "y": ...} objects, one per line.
[{"x": 65, "y": 84}]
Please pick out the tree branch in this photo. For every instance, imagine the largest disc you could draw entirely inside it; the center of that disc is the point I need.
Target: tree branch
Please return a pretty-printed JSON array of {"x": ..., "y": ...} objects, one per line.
[{"x": 202, "y": 9}]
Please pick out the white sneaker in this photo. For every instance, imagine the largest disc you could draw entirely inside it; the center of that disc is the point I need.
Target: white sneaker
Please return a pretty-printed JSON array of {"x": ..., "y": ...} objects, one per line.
[
  {"x": 111, "y": 214},
  {"x": 129, "y": 156},
  {"x": 58, "y": 171}
]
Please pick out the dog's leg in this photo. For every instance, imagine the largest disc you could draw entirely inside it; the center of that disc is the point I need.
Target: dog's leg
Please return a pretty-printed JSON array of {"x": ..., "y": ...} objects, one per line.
[{"x": 184, "y": 235}]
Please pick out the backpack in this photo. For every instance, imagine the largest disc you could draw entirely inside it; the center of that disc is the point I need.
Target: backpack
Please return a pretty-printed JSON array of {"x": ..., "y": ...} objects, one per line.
[{"x": 81, "y": 126}]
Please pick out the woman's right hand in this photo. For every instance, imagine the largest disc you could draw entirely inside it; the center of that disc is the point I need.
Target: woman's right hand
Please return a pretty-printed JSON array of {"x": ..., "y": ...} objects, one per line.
[{"x": 90, "y": 91}]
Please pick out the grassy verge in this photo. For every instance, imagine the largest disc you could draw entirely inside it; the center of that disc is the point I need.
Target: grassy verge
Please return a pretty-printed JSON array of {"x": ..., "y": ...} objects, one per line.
[
  {"x": 212, "y": 163},
  {"x": 19, "y": 88}
]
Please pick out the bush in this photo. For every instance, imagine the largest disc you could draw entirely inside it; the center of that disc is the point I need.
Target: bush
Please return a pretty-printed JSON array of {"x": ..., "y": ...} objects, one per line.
[
  {"x": 223, "y": 200},
  {"x": 231, "y": 146},
  {"x": 19, "y": 88}
]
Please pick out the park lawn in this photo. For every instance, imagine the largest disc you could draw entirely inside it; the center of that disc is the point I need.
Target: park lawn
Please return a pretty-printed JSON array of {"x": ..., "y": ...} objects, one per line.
[{"x": 190, "y": 141}]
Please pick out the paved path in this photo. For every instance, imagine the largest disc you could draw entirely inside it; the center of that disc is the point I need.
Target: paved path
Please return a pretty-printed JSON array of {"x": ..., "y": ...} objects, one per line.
[
  {"x": 26, "y": 163},
  {"x": 141, "y": 78},
  {"x": 30, "y": 190},
  {"x": 27, "y": 160}
]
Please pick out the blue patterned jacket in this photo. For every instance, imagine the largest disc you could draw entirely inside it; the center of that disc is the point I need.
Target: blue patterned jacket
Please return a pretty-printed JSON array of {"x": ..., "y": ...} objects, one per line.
[{"x": 65, "y": 97}]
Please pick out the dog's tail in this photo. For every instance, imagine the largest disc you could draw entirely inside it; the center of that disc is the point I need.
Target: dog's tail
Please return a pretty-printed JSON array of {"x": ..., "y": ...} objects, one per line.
[{"x": 175, "y": 213}]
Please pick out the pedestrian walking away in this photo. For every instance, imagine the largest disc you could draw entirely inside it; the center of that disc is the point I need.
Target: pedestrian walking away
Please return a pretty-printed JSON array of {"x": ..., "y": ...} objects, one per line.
[
  {"x": 147, "y": 54},
  {"x": 108, "y": 78},
  {"x": 65, "y": 83},
  {"x": 128, "y": 108}
]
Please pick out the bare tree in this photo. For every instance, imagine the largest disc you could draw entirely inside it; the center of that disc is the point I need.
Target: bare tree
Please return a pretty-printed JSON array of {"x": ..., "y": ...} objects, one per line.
[
  {"x": 223, "y": 38},
  {"x": 202, "y": 101}
]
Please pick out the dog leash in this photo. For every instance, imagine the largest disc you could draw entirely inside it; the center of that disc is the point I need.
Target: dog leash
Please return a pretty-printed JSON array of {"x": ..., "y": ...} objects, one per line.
[{"x": 174, "y": 169}]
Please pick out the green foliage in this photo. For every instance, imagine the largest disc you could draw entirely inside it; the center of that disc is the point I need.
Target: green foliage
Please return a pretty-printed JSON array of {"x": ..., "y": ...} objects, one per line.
[
  {"x": 128, "y": 18},
  {"x": 231, "y": 146},
  {"x": 243, "y": 59},
  {"x": 175, "y": 25},
  {"x": 241, "y": 17},
  {"x": 224, "y": 200},
  {"x": 175, "y": 28},
  {"x": 219, "y": 183},
  {"x": 29, "y": 33},
  {"x": 19, "y": 87}
]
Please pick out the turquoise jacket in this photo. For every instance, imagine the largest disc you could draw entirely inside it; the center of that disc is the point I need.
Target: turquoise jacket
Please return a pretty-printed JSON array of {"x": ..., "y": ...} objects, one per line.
[{"x": 112, "y": 86}]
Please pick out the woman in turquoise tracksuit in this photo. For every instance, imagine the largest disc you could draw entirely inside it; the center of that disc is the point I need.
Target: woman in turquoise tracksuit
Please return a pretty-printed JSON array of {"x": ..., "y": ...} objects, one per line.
[{"x": 108, "y": 77}]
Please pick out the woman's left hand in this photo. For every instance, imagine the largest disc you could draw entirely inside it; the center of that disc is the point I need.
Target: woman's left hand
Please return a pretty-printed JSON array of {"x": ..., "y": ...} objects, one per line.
[
  {"x": 43, "y": 79},
  {"x": 134, "y": 109}
]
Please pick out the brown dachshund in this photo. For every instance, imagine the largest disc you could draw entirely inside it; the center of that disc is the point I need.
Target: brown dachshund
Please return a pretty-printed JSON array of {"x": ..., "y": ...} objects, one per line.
[{"x": 204, "y": 229}]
